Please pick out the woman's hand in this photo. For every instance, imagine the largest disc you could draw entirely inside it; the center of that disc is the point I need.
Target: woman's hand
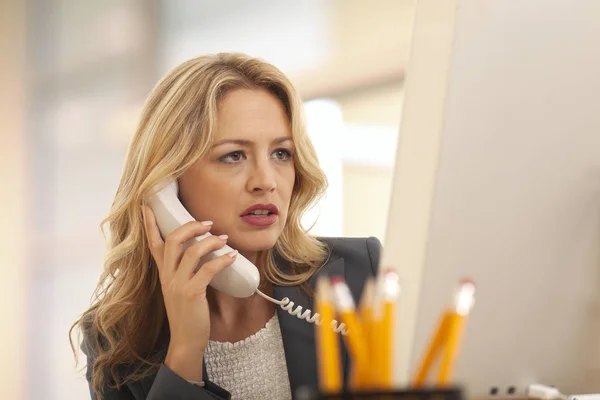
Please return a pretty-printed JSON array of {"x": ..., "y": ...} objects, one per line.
[{"x": 184, "y": 291}]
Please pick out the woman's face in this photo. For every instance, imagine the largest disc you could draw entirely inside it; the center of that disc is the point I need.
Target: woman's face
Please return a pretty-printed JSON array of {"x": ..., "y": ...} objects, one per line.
[{"x": 244, "y": 182}]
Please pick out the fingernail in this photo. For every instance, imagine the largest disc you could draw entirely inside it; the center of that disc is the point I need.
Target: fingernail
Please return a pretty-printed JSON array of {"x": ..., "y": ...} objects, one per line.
[
  {"x": 233, "y": 253},
  {"x": 223, "y": 237},
  {"x": 207, "y": 223}
]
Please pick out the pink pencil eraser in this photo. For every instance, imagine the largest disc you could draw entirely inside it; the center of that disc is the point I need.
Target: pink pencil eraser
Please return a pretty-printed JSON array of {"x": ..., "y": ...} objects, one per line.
[
  {"x": 336, "y": 279},
  {"x": 467, "y": 281},
  {"x": 389, "y": 271}
]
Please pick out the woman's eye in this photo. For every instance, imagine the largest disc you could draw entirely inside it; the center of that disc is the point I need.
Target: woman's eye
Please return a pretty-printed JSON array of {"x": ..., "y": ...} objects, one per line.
[
  {"x": 232, "y": 157},
  {"x": 282, "y": 154}
]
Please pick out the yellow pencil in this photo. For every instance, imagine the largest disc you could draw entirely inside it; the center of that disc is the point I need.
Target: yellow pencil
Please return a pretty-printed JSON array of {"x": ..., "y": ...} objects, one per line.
[
  {"x": 330, "y": 376},
  {"x": 453, "y": 333},
  {"x": 390, "y": 293},
  {"x": 377, "y": 356},
  {"x": 435, "y": 345},
  {"x": 366, "y": 316},
  {"x": 355, "y": 337},
  {"x": 447, "y": 336},
  {"x": 463, "y": 303}
]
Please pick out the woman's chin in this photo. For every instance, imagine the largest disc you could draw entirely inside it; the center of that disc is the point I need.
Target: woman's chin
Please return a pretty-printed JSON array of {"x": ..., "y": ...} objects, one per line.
[{"x": 253, "y": 245}]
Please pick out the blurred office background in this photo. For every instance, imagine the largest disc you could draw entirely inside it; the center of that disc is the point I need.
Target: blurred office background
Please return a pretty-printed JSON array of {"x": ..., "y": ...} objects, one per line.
[{"x": 75, "y": 74}]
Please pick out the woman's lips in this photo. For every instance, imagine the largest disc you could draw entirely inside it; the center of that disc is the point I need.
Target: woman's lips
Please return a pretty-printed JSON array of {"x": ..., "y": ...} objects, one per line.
[
  {"x": 261, "y": 209},
  {"x": 260, "y": 214},
  {"x": 260, "y": 220}
]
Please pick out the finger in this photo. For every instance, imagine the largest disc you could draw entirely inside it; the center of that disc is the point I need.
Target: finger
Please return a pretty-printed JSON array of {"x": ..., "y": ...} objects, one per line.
[
  {"x": 191, "y": 257},
  {"x": 175, "y": 241},
  {"x": 207, "y": 272},
  {"x": 155, "y": 241}
]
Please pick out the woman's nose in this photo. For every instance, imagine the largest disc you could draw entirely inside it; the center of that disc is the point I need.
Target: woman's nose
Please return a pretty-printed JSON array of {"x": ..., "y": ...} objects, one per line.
[{"x": 262, "y": 178}]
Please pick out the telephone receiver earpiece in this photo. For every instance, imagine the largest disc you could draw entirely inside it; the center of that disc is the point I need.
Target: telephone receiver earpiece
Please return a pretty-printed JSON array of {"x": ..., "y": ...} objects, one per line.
[{"x": 240, "y": 279}]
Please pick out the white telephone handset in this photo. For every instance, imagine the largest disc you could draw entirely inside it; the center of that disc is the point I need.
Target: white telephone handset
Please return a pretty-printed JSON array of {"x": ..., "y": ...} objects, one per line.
[{"x": 240, "y": 279}]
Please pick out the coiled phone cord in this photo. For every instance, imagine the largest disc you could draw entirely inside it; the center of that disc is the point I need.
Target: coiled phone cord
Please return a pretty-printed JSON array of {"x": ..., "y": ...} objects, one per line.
[{"x": 287, "y": 305}]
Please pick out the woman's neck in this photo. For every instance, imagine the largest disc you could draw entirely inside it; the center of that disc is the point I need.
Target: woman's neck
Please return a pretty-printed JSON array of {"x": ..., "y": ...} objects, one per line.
[
  {"x": 251, "y": 256},
  {"x": 228, "y": 309}
]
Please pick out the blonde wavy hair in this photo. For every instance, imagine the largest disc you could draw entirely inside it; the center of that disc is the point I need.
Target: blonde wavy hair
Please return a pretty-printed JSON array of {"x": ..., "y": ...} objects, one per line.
[{"x": 177, "y": 125}]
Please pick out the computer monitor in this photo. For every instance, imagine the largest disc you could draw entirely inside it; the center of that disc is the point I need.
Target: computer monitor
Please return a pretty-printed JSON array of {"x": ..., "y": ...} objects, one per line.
[{"x": 498, "y": 179}]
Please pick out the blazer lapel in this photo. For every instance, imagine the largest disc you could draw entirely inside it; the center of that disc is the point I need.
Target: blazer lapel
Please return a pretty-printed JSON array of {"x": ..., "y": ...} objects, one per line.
[
  {"x": 146, "y": 385},
  {"x": 298, "y": 336}
]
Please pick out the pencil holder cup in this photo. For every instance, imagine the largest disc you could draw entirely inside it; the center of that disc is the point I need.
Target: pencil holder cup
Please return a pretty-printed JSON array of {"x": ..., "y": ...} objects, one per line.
[{"x": 447, "y": 393}]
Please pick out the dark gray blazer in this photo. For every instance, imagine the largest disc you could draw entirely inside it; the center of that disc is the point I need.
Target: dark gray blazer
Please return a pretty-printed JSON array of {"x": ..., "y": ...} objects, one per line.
[{"x": 353, "y": 258}]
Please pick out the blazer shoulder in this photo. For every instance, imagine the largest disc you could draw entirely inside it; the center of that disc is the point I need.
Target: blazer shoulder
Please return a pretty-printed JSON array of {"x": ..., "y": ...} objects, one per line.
[
  {"x": 357, "y": 252},
  {"x": 90, "y": 340}
]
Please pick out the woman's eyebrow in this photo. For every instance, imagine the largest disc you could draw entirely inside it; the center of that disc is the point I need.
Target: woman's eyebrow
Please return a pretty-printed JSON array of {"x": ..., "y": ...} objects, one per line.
[
  {"x": 245, "y": 142},
  {"x": 241, "y": 142},
  {"x": 281, "y": 139}
]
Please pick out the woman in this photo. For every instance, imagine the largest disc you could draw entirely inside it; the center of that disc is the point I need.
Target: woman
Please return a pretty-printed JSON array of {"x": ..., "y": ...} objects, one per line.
[{"x": 230, "y": 129}]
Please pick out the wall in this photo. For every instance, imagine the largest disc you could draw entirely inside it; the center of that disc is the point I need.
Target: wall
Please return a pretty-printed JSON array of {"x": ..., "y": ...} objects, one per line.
[
  {"x": 366, "y": 200},
  {"x": 13, "y": 211},
  {"x": 372, "y": 117},
  {"x": 90, "y": 65},
  {"x": 327, "y": 47}
]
